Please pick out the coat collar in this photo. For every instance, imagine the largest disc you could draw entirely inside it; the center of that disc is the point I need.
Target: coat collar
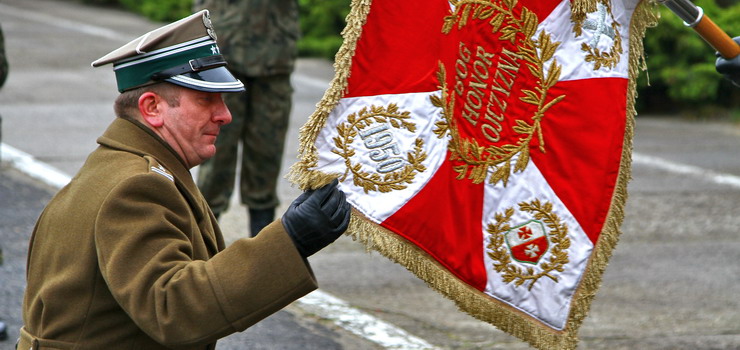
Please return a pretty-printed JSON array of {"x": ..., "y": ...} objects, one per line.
[{"x": 134, "y": 137}]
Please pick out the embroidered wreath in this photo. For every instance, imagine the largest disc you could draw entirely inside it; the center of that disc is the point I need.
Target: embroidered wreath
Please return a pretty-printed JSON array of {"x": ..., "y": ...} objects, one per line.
[
  {"x": 393, "y": 180},
  {"x": 478, "y": 159},
  {"x": 499, "y": 253},
  {"x": 600, "y": 59}
]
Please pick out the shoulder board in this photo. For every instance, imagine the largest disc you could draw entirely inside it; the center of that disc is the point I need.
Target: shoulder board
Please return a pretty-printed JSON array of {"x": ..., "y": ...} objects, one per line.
[{"x": 156, "y": 167}]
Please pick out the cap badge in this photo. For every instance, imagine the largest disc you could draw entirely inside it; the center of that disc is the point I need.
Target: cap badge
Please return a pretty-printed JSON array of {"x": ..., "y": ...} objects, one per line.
[{"x": 209, "y": 25}]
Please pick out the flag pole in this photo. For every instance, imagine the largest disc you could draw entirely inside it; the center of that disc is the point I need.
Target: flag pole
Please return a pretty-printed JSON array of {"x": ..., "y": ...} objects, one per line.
[{"x": 693, "y": 16}]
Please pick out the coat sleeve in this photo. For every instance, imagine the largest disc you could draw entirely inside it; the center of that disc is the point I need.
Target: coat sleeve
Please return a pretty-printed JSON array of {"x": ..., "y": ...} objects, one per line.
[{"x": 144, "y": 234}]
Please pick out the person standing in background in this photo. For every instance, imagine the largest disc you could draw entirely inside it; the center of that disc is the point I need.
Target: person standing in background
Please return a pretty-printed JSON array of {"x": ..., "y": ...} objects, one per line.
[
  {"x": 258, "y": 38},
  {"x": 3, "y": 77}
]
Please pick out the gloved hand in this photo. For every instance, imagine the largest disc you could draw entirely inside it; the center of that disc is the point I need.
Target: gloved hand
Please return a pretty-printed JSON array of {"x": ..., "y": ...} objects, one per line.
[
  {"x": 317, "y": 218},
  {"x": 730, "y": 68}
]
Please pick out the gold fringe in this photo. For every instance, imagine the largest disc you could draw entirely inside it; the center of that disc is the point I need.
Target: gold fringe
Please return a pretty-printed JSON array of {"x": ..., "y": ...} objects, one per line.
[
  {"x": 302, "y": 173},
  {"x": 399, "y": 250},
  {"x": 645, "y": 16}
]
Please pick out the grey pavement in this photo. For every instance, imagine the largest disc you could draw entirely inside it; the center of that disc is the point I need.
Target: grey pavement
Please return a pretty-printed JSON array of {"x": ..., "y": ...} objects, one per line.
[
  {"x": 21, "y": 201},
  {"x": 672, "y": 282}
]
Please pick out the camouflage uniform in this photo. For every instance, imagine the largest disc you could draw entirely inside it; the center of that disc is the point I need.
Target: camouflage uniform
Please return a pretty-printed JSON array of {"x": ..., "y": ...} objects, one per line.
[{"x": 258, "y": 39}]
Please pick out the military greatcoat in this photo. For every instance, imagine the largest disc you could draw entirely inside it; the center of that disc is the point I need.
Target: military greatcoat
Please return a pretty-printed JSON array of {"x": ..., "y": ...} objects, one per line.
[{"x": 129, "y": 256}]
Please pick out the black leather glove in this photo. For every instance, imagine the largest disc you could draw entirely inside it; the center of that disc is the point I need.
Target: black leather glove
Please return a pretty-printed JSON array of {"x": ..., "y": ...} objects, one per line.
[
  {"x": 317, "y": 218},
  {"x": 730, "y": 68}
]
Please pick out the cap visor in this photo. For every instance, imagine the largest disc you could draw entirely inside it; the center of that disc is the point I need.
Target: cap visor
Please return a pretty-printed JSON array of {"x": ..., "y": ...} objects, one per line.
[{"x": 212, "y": 80}]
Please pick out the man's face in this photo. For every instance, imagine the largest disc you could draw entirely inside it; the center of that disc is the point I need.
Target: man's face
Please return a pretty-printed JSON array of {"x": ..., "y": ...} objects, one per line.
[{"x": 192, "y": 127}]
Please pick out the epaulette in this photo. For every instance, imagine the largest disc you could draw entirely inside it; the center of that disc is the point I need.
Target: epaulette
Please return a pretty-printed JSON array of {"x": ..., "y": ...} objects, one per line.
[{"x": 156, "y": 167}]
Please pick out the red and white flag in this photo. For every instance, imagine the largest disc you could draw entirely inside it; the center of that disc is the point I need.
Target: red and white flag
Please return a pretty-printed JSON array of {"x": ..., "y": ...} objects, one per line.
[{"x": 485, "y": 145}]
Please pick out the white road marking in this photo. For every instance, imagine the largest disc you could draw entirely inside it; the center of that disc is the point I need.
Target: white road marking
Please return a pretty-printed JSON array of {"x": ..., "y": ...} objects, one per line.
[
  {"x": 678, "y": 168},
  {"x": 62, "y": 23},
  {"x": 341, "y": 313},
  {"x": 314, "y": 83},
  {"x": 32, "y": 167}
]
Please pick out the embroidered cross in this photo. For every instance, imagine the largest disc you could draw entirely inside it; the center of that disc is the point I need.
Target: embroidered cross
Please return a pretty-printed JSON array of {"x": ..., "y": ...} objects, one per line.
[
  {"x": 532, "y": 250},
  {"x": 525, "y": 232},
  {"x": 598, "y": 25}
]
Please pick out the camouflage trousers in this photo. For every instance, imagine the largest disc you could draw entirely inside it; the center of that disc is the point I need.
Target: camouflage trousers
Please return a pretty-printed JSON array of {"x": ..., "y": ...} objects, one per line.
[{"x": 260, "y": 122}]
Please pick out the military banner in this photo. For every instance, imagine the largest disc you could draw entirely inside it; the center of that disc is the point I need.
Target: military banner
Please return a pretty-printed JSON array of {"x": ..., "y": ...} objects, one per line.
[{"x": 485, "y": 145}]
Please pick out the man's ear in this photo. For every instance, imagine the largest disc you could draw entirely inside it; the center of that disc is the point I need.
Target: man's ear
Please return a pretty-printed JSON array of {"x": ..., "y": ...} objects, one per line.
[{"x": 151, "y": 109}]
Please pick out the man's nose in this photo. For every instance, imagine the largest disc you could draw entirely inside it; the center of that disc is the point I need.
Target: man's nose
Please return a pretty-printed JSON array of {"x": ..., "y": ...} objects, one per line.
[{"x": 223, "y": 115}]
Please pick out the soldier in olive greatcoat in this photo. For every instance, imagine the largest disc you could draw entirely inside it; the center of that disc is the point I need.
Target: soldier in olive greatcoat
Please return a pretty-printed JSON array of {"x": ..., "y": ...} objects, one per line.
[{"x": 128, "y": 255}]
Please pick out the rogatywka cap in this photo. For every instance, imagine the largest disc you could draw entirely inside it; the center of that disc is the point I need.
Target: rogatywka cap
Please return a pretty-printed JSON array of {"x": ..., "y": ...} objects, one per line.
[{"x": 184, "y": 53}]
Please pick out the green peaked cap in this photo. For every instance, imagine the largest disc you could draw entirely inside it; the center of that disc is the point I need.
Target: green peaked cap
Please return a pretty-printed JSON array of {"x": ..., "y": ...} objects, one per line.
[{"x": 184, "y": 53}]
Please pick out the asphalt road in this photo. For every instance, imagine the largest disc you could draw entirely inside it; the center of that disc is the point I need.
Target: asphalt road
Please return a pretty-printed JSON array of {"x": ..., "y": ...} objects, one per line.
[{"x": 672, "y": 282}]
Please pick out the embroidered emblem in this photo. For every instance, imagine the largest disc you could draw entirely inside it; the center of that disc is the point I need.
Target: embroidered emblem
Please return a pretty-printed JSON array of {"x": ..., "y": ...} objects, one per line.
[
  {"x": 382, "y": 167},
  {"x": 528, "y": 243},
  {"x": 162, "y": 171},
  {"x": 209, "y": 25},
  {"x": 484, "y": 141},
  {"x": 597, "y": 23}
]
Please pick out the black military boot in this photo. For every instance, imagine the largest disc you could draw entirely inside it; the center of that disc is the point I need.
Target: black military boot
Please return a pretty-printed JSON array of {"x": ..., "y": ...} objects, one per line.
[
  {"x": 259, "y": 218},
  {"x": 3, "y": 331}
]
